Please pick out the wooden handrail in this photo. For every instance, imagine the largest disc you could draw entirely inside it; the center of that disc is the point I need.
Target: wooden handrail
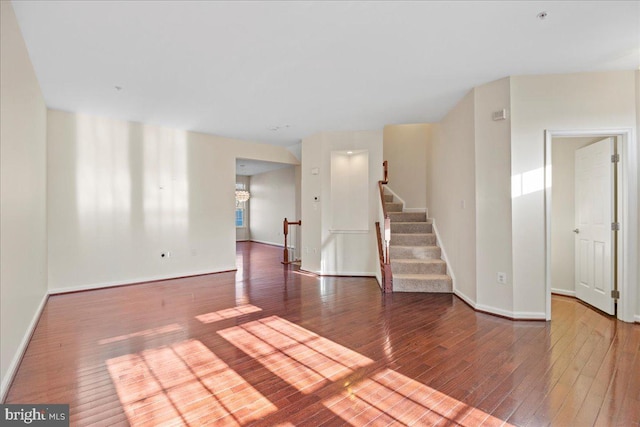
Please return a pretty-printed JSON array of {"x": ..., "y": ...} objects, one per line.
[
  {"x": 384, "y": 181},
  {"x": 285, "y": 227},
  {"x": 385, "y": 263}
]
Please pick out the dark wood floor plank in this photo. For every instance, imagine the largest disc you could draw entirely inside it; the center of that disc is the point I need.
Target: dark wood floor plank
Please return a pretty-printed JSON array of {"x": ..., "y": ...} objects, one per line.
[{"x": 271, "y": 345}]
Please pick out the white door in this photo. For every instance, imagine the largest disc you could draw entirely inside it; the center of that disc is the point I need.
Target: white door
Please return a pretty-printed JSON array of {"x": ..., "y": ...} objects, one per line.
[{"x": 594, "y": 201}]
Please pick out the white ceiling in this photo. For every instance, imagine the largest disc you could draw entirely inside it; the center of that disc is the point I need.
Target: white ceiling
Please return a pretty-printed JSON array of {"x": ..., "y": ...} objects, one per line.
[
  {"x": 249, "y": 167},
  {"x": 277, "y": 72}
]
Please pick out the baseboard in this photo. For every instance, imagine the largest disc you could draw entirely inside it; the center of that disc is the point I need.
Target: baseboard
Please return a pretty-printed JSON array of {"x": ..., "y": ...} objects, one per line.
[
  {"x": 347, "y": 274},
  {"x": 513, "y": 315},
  {"x": 388, "y": 189},
  {"x": 443, "y": 255},
  {"x": 103, "y": 285},
  {"x": 17, "y": 358},
  {"x": 471, "y": 303},
  {"x": 264, "y": 242},
  {"x": 636, "y": 318},
  {"x": 401, "y": 200},
  {"x": 564, "y": 292}
]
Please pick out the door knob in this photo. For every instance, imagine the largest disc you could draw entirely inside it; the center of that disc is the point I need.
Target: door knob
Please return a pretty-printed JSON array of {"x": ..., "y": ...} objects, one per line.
[{"x": 576, "y": 230}]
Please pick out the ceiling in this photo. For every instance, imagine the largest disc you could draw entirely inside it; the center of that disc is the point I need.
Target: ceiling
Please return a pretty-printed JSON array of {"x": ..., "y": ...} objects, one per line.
[
  {"x": 276, "y": 72},
  {"x": 247, "y": 167}
]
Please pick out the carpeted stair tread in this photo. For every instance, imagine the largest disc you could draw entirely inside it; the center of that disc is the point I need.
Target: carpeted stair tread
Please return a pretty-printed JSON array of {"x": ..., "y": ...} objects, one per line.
[
  {"x": 418, "y": 266},
  {"x": 436, "y": 283},
  {"x": 407, "y": 216},
  {"x": 413, "y": 239}
]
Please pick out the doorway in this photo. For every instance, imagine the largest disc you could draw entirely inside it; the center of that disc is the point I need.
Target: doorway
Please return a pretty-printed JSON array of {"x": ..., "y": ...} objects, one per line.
[
  {"x": 570, "y": 248},
  {"x": 272, "y": 194}
]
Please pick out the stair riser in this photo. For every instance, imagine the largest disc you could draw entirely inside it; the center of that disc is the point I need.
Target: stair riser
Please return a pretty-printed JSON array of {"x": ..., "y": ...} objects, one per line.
[
  {"x": 407, "y": 216},
  {"x": 412, "y": 227},
  {"x": 413, "y": 239},
  {"x": 393, "y": 207},
  {"x": 418, "y": 285},
  {"x": 388, "y": 198},
  {"x": 417, "y": 252},
  {"x": 399, "y": 267}
]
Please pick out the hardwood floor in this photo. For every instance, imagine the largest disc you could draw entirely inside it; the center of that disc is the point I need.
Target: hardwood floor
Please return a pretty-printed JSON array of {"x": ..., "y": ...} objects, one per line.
[{"x": 269, "y": 345}]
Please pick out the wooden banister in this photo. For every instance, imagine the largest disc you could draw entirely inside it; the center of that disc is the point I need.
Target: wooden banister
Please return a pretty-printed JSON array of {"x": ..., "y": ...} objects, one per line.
[
  {"x": 385, "y": 265},
  {"x": 285, "y": 229}
]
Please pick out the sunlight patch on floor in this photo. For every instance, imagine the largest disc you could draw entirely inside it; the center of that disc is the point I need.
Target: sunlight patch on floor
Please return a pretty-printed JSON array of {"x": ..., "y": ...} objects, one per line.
[
  {"x": 390, "y": 397},
  {"x": 184, "y": 383},
  {"x": 228, "y": 313},
  {"x": 174, "y": 327},
  {"x": 300, "y": 357}
]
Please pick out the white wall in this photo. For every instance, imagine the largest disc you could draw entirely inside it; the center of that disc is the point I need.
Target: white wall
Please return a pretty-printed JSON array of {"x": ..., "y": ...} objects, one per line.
[
  {"x": 311, "y": 174},
  {"x": 273, "y": 198},
  {"x": 346, "y": 252},
  {"x": 405, "y": 148},
  {"x": 451, "y": 193},
  {"x": 122, "y": 193},
  {"x": 493, "y": 198},
  {"x": 583, "y": 101},
  {"x": 244, "y": 233},
  {"x": 563, "y": 213},
  {"x": 637, "y": 315},
  {"x": 23, "y": 233}
]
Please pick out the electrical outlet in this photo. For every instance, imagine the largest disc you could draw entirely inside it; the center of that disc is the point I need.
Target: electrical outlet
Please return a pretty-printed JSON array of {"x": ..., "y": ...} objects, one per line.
[{"x": 502, "y": 278}]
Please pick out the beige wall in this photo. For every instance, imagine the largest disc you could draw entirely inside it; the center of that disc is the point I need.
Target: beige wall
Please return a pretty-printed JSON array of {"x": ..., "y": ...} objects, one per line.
[
  {"x": 584, "y": 101},
  {"x": 23, "y": 233},
  {"x": 563, "y": 213},
  {"x": 344, "y": 252},
  {"x": 637, "y": 315},
  {"x": 451, "y": 193},
  {"x": 405, "y": 148},
  {"x": 493, "y": 198},
  {"x": 311, "y": 213},
  {"x": 122, "y": 193},
  {"x": 273, "y": 198}
]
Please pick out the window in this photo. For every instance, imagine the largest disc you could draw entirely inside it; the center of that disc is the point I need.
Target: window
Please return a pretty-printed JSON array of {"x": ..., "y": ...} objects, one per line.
[{"x": 239, "y": 217}]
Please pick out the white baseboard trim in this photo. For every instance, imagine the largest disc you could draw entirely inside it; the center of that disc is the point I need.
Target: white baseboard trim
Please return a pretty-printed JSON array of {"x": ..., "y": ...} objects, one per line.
[
  {"x": 464, "y": 298},
  {"x": 388, "y": 189},
  {"x": 515, "y": 315},
  {"x": 404, "y": 204},
  {"x": 498, "y": 311},
  {"x": 137, "y": 281},
  {"x": 348, "y": 273},
  {"x": 17, "y": 357},
  {"x": 564, "y": 292},
  {"x": 264, "y": 242},
  {"x": 636, "y": 318},
  {"x": 444, "y": 257}
]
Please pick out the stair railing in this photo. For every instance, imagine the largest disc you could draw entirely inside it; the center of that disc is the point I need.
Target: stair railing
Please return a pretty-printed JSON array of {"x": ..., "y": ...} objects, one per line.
[
  {"x": 385, "y": 265},
  {"x": 285, "y": 227}
]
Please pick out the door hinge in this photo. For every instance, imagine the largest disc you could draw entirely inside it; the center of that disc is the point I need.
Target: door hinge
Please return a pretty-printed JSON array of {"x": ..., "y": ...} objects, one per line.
[
  {"x": 615, "y": 226},
  {"x": 615, "y": 294},
  {"x": 615, "y": 158}
]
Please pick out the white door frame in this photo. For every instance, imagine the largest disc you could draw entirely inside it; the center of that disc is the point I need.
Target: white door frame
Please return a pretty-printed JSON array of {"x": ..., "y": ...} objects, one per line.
[{"x": 627, "y": 214}]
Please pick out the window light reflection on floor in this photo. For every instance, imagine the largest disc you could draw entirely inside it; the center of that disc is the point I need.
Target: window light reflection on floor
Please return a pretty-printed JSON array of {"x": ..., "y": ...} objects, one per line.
[
  {"x": 228, "y": 313},
  {"x": 300, "y": 357},
  {"x": 174, "y": 327},
  {"x": 308, "y": 361},
  {"x": 390, "y": 397},
  {"x": 184, "y": 383}
]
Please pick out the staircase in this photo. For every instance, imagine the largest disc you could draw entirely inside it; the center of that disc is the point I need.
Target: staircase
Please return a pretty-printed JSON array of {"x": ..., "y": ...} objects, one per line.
[{"x": 415, "y": 257}]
